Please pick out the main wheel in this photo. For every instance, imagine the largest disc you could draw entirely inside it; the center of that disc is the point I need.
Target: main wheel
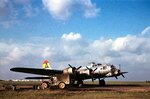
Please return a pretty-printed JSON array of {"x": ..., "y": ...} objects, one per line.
[
  {"x": 102, "y": 83},
  {"x": 80, "y": 83},
  {"x": 61, "y": 85}
]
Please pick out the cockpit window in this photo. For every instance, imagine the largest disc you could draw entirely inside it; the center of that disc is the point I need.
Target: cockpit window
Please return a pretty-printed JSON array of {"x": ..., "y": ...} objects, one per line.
[
  {"x": 99, "y": 64},
  {"x": 93, "y": 65},
  {"x": 112, "y": 66}
]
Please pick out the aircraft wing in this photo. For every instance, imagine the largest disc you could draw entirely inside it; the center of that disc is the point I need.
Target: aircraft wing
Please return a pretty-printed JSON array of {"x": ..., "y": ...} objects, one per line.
[{"x": 37, "y": 71}]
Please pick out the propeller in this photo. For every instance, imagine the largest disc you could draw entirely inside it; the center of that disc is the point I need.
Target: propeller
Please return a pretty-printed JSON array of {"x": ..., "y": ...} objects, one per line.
[
  {"x": 79, "y": 67},
  {"x": 74, "y": 69},
  {"x": 91, "y": 72},
  {"x": 121, "y": 73},
  {"x": 113, "y": 70}
]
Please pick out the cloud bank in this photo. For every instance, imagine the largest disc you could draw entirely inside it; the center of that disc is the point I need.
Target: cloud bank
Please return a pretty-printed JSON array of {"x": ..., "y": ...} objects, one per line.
[
  {"x": 132, "y": 51},
  {"x": 15, "y": 11}
]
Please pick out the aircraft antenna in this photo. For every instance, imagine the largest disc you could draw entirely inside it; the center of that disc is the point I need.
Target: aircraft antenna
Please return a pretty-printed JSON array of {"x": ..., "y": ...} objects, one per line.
[{"x": 120, "y": 66}]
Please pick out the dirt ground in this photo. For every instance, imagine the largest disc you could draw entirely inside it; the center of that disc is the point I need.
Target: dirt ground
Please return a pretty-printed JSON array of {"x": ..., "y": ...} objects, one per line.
[
  {"x": 124, "y": 87},
  {"x": 117, "y": 90}
]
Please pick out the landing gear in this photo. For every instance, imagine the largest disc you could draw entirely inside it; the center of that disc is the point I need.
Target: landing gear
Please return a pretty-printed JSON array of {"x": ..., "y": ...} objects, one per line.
[
  {"x": 102, "y": 82},
  {"x": 80, "y": 83},
  {"x": 72, "y": 81}
]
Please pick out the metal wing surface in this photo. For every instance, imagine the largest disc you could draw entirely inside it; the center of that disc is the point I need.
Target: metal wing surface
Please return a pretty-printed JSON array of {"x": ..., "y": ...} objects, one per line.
[{"x": 37, "y": 71}]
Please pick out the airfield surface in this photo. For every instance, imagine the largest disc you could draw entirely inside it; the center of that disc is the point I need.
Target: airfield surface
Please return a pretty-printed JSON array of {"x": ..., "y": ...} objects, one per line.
[{"x": 116, "y": 90}]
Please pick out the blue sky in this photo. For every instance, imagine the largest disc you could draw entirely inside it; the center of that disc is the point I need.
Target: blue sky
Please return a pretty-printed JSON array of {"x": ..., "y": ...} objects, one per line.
[
  {"x": 114, "y": 18},
  {"x": 66, "y": 31}
]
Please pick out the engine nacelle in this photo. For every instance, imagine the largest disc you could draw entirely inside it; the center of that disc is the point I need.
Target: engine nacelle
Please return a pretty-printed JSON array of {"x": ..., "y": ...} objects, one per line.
[
  {"x": 84, "y": 71},
  {"x": 68, "y": 70},
  {"x": 109, "y": 74}
]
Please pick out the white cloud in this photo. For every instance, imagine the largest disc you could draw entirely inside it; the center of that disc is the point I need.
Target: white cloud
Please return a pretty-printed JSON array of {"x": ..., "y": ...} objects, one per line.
[
  {"x": 129, "y": 43},
  {"x": 59, "y": 9},
  {"x": 63, "y": 9},
  {"x": 120, "y": 43},
  {"x": 10, "y": 14},
  {"x": 90, "y": 8},
  {"x": 30, "y": 11},
  {"x": 132, "y": 51},
  {"x": 8, "y": 23},
  {"x": 73, "y": 44},
  {"x": 15, "y": 54},
  {"x": 146, "y": 32},
  {"x": 71, "y": 36},
  {"x": 48, "y": 52}
]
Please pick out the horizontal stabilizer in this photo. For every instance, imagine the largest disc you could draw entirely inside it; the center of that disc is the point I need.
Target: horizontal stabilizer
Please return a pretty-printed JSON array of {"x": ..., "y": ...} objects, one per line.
[{"x": 37, "y": 78}]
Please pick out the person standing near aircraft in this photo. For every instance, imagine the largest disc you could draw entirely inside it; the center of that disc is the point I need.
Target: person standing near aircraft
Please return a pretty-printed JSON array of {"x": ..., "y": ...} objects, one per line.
[{"x": 46, "y": 65}]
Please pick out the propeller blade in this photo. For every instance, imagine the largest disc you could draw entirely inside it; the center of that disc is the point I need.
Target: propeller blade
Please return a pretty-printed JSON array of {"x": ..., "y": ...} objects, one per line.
[
  {"x": 95, "y": 69},
  {"x": 116, "y": 77},
  {"x": 122, "y": 75},
  {"x": 124, "y": 72},
  {"x": 87, "y": 67},
  {"x": 79, "y": 67},
  {"x": 70, "y": 65}
]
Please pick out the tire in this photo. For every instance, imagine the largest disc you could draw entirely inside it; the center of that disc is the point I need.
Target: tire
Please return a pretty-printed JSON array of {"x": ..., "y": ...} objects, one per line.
[
  {"x": 44, "y": 85},
  {"x": 102, "y": 83},
  {"x": 80, "y": 83},
  {"x": 61, "y": 85}
]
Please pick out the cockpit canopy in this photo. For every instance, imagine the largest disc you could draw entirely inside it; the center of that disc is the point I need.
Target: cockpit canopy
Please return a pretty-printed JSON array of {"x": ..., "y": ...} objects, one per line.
[{"x": 93, "y": 64}]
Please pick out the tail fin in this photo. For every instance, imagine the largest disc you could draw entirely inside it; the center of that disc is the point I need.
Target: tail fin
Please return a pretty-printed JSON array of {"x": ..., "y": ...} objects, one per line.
[{"x": 46, "y": 65}]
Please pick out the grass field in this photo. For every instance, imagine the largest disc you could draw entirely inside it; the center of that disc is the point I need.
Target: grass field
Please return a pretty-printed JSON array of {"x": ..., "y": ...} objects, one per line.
[
  {"x": 66, "y": 94},
  {"x": 62, "y": 94}
]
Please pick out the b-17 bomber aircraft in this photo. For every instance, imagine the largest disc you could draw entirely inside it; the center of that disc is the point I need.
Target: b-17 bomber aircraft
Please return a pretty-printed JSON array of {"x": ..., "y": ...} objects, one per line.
[{"x": 71, "y": 74}]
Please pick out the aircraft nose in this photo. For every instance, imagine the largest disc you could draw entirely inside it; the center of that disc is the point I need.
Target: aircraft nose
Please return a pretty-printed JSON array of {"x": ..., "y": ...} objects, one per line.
[{"x": 113, "y": 69}]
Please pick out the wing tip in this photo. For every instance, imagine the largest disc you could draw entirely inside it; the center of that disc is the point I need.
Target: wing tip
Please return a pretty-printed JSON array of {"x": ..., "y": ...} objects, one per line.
[
  {"x": 15, "y": 68},
  {"x": 12, "y": 69}
]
